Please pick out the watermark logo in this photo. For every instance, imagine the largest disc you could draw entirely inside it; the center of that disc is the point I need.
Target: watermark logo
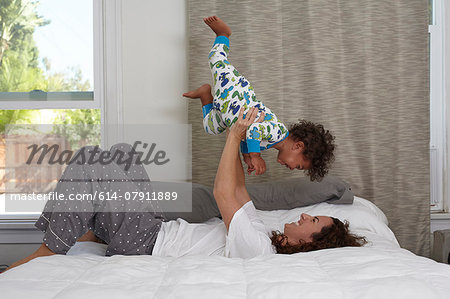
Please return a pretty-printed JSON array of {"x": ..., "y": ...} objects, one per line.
[
  {"x": 141, "y": 165},
  {"x": 143, "y": 153}
]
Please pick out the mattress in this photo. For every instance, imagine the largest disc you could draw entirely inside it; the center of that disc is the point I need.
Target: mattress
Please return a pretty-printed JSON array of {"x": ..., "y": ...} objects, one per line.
[{"x": 381, "y": 269}]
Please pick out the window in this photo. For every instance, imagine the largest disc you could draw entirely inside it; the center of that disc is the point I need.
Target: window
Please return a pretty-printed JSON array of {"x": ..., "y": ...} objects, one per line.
[
  {"x": 46, "y": 54},
  {"x": 437, "y": 105},
  {"x": 48, "y": 75}
]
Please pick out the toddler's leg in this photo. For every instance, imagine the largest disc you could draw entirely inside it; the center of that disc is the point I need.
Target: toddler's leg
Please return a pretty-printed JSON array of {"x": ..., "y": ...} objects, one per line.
[
  {"x": 212, "y": 120},
  {"x": 231, "y": 90},
  {"x": 224, "y": 75},
  {"x": 224, "y": 78}
]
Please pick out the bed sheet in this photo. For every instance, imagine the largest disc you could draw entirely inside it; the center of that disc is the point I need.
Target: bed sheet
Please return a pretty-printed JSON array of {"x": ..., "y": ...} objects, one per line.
[
  {"x": 368, "y": 272},
  {"x": 380, "y": 269}
]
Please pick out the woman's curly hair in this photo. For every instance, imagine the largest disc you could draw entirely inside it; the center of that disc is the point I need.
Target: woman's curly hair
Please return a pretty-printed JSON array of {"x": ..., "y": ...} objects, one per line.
[
  {"x": 332, "y": 236},
  {"x": 319, "y": 147}
]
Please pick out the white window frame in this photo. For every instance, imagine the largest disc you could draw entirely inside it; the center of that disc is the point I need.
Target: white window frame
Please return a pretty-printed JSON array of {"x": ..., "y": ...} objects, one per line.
[
  {"x": 107, "y": 84},
  {"x": 440, "y": 109},
  {"x": 446, "y": 97},
  {"x": 437, "y": 113},
  {"x": 111, "y": 70}
]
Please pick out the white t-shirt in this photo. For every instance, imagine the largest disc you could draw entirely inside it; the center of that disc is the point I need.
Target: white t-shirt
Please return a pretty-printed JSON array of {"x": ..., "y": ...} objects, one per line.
[{"x": 247, "y": 237}]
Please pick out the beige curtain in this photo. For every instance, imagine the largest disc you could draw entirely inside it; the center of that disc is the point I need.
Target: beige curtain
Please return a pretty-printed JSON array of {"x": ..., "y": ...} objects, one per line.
[{"x": 359, "y": 67}]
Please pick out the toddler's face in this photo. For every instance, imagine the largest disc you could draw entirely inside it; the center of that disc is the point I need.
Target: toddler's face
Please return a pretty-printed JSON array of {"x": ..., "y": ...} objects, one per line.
[{"x": 293, "y": 158}]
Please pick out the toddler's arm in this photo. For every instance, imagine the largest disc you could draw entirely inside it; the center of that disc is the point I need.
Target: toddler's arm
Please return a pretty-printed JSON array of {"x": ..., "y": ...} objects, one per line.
[
  {"x": 251, "y": 155},
  {"x": 270, "y": 131},
  {"x": 248, "y": 161},
  {"x": 258, "y": 163}
]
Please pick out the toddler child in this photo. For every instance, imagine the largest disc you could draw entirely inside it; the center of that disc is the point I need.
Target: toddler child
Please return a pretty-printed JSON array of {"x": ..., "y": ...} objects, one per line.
[{"x": 305, "y": 146}]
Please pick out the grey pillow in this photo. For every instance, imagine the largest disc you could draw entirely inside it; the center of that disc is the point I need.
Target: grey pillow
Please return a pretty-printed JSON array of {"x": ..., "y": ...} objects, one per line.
[
  {"x": 279, "y": 195},
  {"x": 299, "y": 192},
  {"x": 204, "y": 206}
]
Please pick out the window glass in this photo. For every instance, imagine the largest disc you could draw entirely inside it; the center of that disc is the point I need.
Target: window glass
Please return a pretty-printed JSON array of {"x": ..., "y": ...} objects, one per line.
[
  {"x": 66, "y": 129},
  {"x": 46, "y": 54},
  {"x": 46, "y": 45}
]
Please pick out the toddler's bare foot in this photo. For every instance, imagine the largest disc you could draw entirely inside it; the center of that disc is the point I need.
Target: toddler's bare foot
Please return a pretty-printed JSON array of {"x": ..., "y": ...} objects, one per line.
[
  {"x": 203, "y": 92},
  {"x": 218, "y": 26},
  {"x": 199, "y": 92}
]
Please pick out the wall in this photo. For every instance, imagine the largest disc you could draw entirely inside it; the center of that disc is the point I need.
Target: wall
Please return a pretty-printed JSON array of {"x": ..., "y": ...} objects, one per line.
[
  {"x": 154, "y": 39},
  {"x": 154, "y": 53}
]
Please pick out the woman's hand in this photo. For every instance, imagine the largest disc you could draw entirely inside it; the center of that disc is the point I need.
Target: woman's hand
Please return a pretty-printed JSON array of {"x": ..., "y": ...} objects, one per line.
[{"x": 240, "y": 126}]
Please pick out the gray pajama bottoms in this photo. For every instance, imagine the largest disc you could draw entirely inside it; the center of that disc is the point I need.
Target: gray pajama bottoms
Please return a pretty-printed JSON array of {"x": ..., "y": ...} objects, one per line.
[{"x": 127, "y": 228}]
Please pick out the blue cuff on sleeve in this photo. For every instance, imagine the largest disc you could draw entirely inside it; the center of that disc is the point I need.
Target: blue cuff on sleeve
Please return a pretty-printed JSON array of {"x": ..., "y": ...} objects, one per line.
[
  {"x": 222, "y": 39},
  {"x": 285, "y": 136},
  {"x": 253, "y": 146},
  {"x": 206, "y": 109},
  {"x": 244, "y": 148}
]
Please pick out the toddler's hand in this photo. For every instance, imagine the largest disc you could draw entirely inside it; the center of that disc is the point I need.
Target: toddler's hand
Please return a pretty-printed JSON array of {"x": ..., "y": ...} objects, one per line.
[
  {"x": 258, "y": 163},
  {"x": 249, "y": 163}
]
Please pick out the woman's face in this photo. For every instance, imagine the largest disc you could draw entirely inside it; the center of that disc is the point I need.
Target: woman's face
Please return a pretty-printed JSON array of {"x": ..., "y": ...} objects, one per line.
[{"x": 305, "y": 227}]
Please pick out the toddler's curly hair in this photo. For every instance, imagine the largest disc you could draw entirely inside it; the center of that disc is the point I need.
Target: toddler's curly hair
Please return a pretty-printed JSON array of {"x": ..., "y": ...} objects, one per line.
[{"x": 319, "y": 147}]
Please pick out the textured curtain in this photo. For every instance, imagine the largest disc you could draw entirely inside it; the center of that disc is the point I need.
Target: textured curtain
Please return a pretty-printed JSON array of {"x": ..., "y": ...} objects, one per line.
[{"x": 359, "y": 67}]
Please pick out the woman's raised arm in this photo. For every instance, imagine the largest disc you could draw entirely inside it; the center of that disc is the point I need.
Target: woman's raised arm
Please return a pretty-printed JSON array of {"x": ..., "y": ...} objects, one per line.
[{"x": 227, "y": 176}]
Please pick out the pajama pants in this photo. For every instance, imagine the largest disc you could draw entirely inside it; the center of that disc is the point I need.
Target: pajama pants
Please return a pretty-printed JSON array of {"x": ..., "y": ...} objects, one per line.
[
  {"x": 232, "y": 91},
  {"x": 127, "y": 228}
]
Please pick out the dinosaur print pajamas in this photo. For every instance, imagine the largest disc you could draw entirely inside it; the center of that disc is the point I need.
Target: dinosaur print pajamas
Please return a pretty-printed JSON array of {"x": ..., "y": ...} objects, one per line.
[{"x": 231, "y": 91}]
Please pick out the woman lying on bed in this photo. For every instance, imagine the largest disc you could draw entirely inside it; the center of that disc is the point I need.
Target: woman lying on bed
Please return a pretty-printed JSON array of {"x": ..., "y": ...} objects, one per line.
[
  {"x": 134, "y": 230},
  {"x": 247, "y": 236}
]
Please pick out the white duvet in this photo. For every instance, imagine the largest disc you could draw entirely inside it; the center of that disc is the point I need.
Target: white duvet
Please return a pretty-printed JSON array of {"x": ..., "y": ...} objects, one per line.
[{"x": 381, "y": 269}]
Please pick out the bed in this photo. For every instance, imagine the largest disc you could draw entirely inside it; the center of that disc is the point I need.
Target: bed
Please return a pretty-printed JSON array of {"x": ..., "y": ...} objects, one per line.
[{"x": 381, "y": 269}]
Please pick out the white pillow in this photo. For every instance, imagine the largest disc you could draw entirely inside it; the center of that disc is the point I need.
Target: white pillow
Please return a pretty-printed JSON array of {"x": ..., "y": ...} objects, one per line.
[
  {"x": 87, "y": 247},
  {"x": 377, "y": 211},
  {"x": 364, "y": 217}
]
